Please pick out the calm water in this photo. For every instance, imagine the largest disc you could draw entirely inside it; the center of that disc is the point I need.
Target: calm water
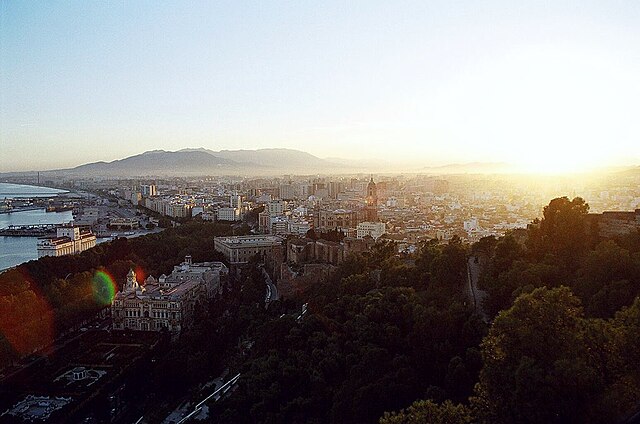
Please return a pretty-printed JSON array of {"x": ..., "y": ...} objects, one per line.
[
  {"x": 21, "y": 191},
  {"x": 16, "y": 250}
]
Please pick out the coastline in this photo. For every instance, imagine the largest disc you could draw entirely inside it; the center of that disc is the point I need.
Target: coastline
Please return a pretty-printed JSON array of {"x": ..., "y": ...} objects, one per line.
[
  {"x": 29, "y": 208},
  {"x": 17, "y": 250},
  {"x": 8, "y": 195}
]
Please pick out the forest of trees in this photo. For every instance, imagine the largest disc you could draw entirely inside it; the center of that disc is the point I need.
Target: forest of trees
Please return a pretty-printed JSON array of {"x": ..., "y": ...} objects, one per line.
[
  {"x": 380, "y": 333},
  {"x": 398, "y": 334},
  {"x": 563, "y": 342}
]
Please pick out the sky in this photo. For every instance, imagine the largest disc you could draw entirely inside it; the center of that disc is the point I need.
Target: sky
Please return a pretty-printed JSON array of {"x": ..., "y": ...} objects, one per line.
[{"x": 544, "y": 85}]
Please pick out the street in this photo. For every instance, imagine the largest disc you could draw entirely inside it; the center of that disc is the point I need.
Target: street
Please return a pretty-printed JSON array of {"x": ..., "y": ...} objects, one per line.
[{"x": 476, "y": 295}]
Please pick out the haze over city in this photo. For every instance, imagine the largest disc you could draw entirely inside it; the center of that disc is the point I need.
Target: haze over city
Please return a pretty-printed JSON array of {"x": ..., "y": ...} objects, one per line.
[{"x": 544, "y": 86}]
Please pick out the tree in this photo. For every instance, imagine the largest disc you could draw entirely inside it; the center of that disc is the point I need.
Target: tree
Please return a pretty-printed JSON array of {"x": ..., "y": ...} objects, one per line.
[
  {"x": 427, "y": 411},
  {"x": 448, "y": 269},
  {"x": 164, "y": 222},
  {"x": 537, "y": 367},
  {"x": 562, "y": 229},
  {"x": 608, "y": 279},
  {"x": 311, "y": 233}
]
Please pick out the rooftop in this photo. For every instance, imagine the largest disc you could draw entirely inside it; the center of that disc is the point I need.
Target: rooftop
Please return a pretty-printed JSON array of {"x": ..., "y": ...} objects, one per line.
[{"x": 259, "y": 239}]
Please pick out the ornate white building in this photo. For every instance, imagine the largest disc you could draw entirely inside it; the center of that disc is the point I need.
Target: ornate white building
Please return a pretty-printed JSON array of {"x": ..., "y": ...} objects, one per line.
[{"x": 168, "y": 302}]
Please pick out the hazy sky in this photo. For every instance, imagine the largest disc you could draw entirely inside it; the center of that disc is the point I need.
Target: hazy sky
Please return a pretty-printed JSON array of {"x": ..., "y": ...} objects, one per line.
[{"x": 549, "y": 85}]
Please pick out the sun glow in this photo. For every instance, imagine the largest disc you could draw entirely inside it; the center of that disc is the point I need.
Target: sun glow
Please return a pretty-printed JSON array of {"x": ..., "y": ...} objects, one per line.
[
  {"x": 561, "y": 159},
  {"x": 545, "y": 109}
]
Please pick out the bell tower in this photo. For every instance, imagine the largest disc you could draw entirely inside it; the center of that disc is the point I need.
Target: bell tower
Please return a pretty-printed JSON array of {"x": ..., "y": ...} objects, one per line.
[
  {"x": 132, "y": 282},
  {"x": 371, "y": 210}
]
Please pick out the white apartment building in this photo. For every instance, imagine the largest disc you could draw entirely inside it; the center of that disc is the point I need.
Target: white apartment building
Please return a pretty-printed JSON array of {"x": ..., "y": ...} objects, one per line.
[
  {"x": 373, "y": 229},
  {"x": 276, "y": 207},
  {"x": 279, "y": 225},
  {"x": 299, "y": 228},
  {"x": 471, "y": 225},
  {"x": 228, "y": 214},
  {"x": 235, "y": 201},
  {"x": 179, "y": 210},
  {"x": 173, "y": 207},
  {"x": 148, "y": 190}
]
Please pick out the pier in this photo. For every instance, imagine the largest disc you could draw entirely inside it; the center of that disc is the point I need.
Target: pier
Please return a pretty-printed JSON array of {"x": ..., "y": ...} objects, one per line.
[
  {"x": 28, "y": 208},
  {"x": 39, "y": 230}
]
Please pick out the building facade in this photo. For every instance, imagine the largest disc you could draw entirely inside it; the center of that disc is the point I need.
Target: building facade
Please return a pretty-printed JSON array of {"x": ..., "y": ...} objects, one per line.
[
  {"x": 613, "y": 223},
  {"x": 168, "y": 302},
  {"x": 373, "y": 229},
  {"x": 228, "y": 214},
  {"x": 68, "y": 241},
  {"x": 122, "y": 223},
  {"x": 148, "y": 190},
  {"x": 240, "y": 249},
  {"x": 336, "y": 219},
  {"x": 371, "y": 209},
  {"x": 276, "y": 207}
]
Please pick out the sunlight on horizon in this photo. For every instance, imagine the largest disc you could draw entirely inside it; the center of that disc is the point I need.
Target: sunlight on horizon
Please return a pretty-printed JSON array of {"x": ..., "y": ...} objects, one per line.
[{"x": 546, "y": 89}]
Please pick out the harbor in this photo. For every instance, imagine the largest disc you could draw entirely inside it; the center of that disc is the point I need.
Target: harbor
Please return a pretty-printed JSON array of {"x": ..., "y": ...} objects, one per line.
[
  {"x": 39, "y": 230},
  {"x": 19, "y": 232},
  {"x": 27, "y": 218},
  {"x": 24, "y": 218}
]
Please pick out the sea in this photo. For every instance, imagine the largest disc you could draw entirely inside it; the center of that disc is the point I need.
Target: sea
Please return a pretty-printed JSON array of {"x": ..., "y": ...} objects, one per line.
[{"x": 16, "y": 250}]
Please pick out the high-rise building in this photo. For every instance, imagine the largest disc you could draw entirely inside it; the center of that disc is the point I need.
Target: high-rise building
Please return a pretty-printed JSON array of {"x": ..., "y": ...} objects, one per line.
[
  {"x": 287, "y": 192},
  {"x": 148, "y": 190},
  {"x": 228, "y": 214},
  {"x": 235, "y": 201},
  {"x": 276, "y": 207},
  {"x": 335, "y": 187}
]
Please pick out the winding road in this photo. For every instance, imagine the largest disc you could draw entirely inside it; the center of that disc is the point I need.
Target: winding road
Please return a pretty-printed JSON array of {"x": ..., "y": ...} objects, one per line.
[{"x": 478, "y": 296}]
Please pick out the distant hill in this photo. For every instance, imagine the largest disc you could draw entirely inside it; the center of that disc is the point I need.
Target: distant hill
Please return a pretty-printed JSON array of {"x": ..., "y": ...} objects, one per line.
[
  {"x": 159, "y": 162},
  {"x": 274, "y": 158},
  {"x": 208, "y": 162},
  {"x": 631, "y": 171}
]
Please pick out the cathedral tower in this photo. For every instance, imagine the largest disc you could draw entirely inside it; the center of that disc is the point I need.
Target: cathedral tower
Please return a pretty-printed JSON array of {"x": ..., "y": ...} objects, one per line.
[{"x": 371, "y": 210}]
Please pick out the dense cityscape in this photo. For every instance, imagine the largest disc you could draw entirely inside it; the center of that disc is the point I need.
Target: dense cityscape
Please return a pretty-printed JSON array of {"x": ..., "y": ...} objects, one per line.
[{"x": 413, "y": 208}]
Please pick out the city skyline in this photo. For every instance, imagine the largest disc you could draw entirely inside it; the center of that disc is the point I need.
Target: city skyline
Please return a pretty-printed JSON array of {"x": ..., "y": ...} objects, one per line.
[{"x": 548, "y": 88}]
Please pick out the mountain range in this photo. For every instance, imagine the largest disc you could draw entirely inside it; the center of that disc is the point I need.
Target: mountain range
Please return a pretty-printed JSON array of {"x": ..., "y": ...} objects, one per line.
[
  {"x": 201, "y": 161},
  {"x": 208, "y": 162}
]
